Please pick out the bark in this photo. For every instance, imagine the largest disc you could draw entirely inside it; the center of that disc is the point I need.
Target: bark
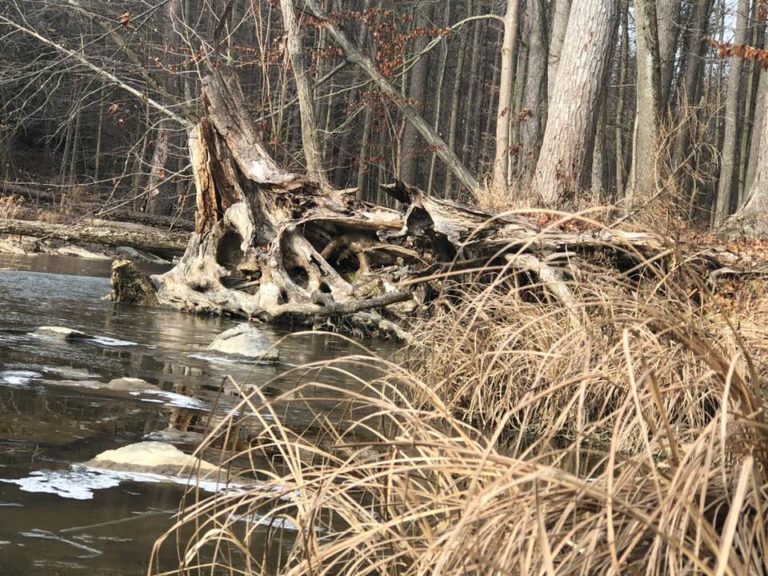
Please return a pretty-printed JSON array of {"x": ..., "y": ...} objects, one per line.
[
  {"x": 694, "y": 52},
  {"x": 752, "y": 218},
  {"x": 573, "y": 110},
  {"x": 417, "y": 95},
  {"x": 560, "y": 17},
  {"x": 728, "y": 172},
  {"x": 438, "y": 105},
  {"x": 534, "y": 111},
  {"x": 159, "y": 197},
  {"x": 476, "y": 78},
  {"x": 668, "y": 14},
  {"x": 506, "y": 92},
  {"x": 757, "y": 132},
  {"x": 753, "y": 70},
  {"x": 621, "y": 101},
  {"x": 599, "y": 154},
  {"x": 434, "y": 141},
  {"x": 312, "y": 153},
  {"x": 456, "y": 108},
  {"x": 643, "y": 176}
]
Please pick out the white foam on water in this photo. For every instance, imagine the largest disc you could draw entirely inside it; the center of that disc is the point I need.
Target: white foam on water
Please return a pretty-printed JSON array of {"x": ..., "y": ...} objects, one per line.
[
  {"x": 175, "y": 400},
  {"x": 18, "y": 377},
  {"x": 229, "y": 360},
  {"x": 107, "y": 341},
  {"x": 80, "y": 482},
  {"x": 75, "y": 485}
]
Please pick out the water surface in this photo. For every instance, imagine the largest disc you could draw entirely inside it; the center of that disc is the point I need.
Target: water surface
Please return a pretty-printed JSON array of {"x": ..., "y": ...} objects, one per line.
[{"x": 56, "y": 518}]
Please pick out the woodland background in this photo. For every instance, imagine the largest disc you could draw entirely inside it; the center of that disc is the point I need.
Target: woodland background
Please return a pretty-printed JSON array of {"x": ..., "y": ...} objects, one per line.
[{"x": 660, "y": 100}]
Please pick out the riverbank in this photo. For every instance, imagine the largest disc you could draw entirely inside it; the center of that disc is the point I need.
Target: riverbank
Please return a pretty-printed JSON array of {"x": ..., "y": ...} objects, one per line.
[{"x": 622, "y": 430}]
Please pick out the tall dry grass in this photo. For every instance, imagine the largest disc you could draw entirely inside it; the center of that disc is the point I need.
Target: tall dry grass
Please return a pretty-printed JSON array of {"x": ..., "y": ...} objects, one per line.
[{"x": 621, "y": 430}]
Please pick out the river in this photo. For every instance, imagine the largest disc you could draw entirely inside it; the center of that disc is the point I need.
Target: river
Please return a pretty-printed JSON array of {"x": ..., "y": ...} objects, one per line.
[{"x": 57, "y": 518}]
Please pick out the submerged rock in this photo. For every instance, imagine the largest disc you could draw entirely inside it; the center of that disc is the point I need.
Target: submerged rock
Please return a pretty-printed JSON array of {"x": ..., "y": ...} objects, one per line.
[
  {"x": 61, "y": 333},
  {"x": 175, "y": 437},
  {"x": 246, "y": 340},
  {"x": 151, "y": 457}
]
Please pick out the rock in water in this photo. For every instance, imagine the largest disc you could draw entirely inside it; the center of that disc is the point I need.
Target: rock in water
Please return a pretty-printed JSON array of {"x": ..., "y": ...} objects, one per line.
[
  {"x": 61, "y": 333},
  {"x": 152, "y": 457},
  {"x": 129, "y": 385},
  {"x": 246, "y": 340},
  {"x": 130, "y": 285}
]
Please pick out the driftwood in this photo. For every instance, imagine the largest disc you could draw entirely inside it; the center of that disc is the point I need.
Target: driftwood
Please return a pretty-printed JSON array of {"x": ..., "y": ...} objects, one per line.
[{"x": 273, "y": 245}]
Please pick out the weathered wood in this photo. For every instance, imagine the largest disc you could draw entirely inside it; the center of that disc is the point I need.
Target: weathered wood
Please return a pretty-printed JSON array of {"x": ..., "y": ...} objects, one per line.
[
  {"x": 142, "y": 238},
  {"x": 275, "y": 246}
]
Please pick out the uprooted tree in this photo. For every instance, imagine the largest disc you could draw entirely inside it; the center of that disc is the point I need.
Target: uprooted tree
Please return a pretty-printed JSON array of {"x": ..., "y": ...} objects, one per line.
[{"x": 274, "y": 245}]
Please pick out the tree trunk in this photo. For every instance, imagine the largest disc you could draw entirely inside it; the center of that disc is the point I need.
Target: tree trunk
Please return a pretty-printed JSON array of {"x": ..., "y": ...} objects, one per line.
[
  {"x": 757, "y": 130},
  {"x": 726, "y": 184},
  {"x": 668, "y": 17},
  {"x": 456, "y": 105},
  {"x": 417, "y": 95},
  {"x": 534, "y": 113},
  {"x": 560, "y": 17},
  {"x": 692, "y": 74},
  {"x": 115, "y": 235},
  {"x": 621, "y": 101},
  {"x": 752, "y": 218},
  {"x": 159, "y": 195},
  {"x": 438, "y": 107},
  {"x": 573, "y": 110},
  {"x": 506, "y": 93},
  {"x": 312, "y": 152},
  {"x": 643, "y": 176}
]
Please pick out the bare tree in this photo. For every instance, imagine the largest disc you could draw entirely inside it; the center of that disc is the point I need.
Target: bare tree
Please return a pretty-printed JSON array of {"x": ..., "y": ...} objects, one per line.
[
  {"x": 643, "y": 176},
  {"x": 506, "y": 93},
  {"x": 574, "y": 104},
  {"x": 727, "y": 183},
  {"x": 312, "y": 153}
]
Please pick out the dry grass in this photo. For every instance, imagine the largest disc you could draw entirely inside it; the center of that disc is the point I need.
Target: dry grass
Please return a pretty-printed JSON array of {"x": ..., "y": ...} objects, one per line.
[
  {"x": 622, "y": 432},
  {"x": 10, "y": 207}
]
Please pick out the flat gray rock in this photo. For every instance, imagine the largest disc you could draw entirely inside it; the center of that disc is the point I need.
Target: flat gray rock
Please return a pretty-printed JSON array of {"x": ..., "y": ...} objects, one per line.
[
  {"x": 248, "y": 341},
  {"x": 61, "y": 333}
]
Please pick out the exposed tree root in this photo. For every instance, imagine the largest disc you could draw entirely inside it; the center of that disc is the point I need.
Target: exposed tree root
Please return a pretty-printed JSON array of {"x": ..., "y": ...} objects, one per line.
[{"x": 274, "y": 245}]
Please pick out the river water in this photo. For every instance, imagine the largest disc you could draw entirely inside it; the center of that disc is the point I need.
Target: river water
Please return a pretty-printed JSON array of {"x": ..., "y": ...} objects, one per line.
[{"x": 57, "y": 518}]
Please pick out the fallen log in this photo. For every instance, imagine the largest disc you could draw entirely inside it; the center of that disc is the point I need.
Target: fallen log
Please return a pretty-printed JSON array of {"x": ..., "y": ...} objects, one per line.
[
  {"x": 139, "y": 237},
  {"x": 40, "y": 194},
  {"x": 272, "y": 245}
]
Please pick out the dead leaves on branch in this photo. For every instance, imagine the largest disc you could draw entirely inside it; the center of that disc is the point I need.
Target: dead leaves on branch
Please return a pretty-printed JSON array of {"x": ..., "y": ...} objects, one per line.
[{"x": 728, "y": 50}]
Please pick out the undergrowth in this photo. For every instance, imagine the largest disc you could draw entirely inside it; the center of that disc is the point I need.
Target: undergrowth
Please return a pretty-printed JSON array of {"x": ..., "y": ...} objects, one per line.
[{"x": 617, "y": 429}]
